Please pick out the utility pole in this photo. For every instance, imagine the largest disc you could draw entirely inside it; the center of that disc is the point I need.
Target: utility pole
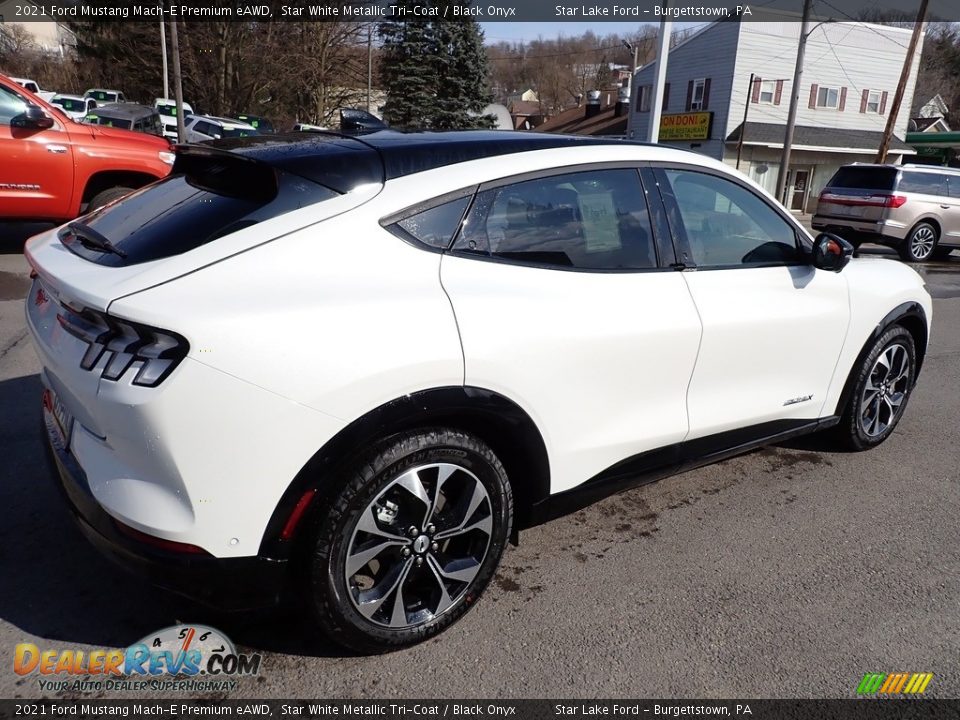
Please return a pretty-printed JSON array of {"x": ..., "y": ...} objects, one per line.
[
  {"x": 902, "y": 85},
  {"x": 794, "y": 100},
  {"x": 746, "y": 110},
  {"x": 656, "y": 97},
  {"x": 163, "y": 50},
  {"x": 633, "y": 72},
  {"x": 177, "y": 81},
  {"x": 369, "y": 63}
]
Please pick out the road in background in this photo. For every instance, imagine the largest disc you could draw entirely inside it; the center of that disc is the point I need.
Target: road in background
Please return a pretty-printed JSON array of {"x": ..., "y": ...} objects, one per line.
[{"x": 787, "y": 572}]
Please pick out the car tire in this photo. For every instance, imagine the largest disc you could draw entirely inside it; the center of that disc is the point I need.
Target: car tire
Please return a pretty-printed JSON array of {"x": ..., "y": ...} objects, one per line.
[
  {"x": 107, "y": 196},
  {"x": 882, "y": 386},
  {"x": 410, "y": 540},
  {"x": 920, "y": 244}
]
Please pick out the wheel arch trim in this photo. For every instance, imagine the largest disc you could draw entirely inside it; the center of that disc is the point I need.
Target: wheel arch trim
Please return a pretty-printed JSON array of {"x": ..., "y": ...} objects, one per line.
[
  {"x": 500, "y": 422},
  {"x": 912, "y": 317}
]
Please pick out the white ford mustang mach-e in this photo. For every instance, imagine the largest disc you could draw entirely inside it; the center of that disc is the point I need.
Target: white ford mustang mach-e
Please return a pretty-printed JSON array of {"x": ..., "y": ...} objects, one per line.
[{"x": 348, "y": 369}]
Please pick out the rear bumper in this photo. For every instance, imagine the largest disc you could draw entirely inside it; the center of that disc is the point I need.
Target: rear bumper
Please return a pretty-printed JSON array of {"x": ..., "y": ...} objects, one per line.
[
  {"x": 882, "y": 230},
  {"x": 239, "y": 583}
]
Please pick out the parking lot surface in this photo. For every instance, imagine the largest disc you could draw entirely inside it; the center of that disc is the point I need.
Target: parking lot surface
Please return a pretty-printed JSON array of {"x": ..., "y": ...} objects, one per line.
[{"x": 787, "y": 572}]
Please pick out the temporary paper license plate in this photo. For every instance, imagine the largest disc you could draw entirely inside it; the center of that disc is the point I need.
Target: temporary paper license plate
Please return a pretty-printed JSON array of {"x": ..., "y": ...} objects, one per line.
[{"x": 63, "y": 421}]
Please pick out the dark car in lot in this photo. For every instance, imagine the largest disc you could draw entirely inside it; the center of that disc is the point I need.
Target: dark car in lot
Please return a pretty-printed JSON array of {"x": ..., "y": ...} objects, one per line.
[
  {"x": 913, "y": 208},
  {"x": 127, "y": 116}
]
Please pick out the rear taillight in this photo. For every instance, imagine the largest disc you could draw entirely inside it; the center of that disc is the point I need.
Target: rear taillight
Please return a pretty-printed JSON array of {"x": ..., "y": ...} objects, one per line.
[
  {"x": 877, "y": 200},
  {"x": 155, "y": 353}
]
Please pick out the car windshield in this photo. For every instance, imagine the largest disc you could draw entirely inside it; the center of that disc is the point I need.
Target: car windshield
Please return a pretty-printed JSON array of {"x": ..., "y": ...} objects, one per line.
[
  {"x": 102, "y": 97},
  {"x": 109, "y": 122},
  {"x": 70, "y": 104},
  {"x": 261, "y": 124},
  {"x": 237, "y": 132},
  {"x": 170, "y": 109}
]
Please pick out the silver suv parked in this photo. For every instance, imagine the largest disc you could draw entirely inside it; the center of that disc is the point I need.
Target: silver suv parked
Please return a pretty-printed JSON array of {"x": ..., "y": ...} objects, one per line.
[{"x": 913, "y": 208}]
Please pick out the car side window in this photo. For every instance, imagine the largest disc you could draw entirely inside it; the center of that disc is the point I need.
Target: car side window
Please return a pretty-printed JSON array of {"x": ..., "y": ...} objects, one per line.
[
  {"x": 593, "y": 220},
  {"x": 727, "y": 225},
  {"x": 437, "y": 225},
  {"x": 11, "y": 105},
  {"x": 923, "y": 183}
]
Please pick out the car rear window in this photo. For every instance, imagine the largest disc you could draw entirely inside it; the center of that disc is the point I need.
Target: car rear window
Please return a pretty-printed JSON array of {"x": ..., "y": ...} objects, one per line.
[
  {"x": 203, "y": 199},
  {"x": 864, "y": 178},
  {"x": 923, "y": 182}
]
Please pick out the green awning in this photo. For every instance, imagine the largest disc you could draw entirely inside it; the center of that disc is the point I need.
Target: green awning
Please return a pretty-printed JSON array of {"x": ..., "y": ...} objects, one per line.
[{"x": 934, "y": 139}]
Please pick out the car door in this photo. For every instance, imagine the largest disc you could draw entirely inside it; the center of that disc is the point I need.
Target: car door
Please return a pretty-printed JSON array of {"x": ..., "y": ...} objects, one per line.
[
  {"x": 951, "y": 225},
  {"x": 36, "y": 165},
  {"x": 930, "y": 199},
  {"x": 565, "y": 308},
  {"x": 773, "y": 325},
  {"x": 198, "y": 132}
]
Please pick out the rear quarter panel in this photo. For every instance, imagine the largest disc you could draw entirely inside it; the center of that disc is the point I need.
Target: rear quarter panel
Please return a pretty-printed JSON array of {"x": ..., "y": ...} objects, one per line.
[{"x": 340, "y": 316}]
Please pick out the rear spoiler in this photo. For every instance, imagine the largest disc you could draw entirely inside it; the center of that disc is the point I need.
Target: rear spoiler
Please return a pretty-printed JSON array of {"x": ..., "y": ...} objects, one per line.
[{"x": 225, "y": 173}]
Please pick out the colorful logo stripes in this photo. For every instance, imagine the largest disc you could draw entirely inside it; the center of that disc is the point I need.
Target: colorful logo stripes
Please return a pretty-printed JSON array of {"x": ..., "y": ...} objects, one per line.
[{"x": 894, "y": 683}]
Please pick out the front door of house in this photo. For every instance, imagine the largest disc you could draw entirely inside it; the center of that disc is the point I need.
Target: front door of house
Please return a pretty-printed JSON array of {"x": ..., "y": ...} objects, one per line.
[{"x": 799, "y": 189}]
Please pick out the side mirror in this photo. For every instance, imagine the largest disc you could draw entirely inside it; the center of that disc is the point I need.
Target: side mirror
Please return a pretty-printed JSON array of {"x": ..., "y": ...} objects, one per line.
[
  {"x": 831, "y": 252},
  {"x": 34, "y": 118}
]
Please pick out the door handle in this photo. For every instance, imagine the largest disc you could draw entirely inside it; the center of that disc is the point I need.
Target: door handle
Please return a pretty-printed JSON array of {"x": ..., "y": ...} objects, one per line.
[
  {"x": 56, "y": 149},
  {"x": 945, "y": 207}
]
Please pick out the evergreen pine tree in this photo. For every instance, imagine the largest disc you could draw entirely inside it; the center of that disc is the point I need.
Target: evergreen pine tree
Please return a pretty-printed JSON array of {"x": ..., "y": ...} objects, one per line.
[
  {"x": 462, "y": 91},
  {"x": 408, "y": 70},
  {"x": 434, "y": 71}
]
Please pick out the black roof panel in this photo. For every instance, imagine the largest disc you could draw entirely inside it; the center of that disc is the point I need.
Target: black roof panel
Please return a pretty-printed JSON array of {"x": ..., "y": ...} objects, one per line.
[{"x": 346, "y": 161}]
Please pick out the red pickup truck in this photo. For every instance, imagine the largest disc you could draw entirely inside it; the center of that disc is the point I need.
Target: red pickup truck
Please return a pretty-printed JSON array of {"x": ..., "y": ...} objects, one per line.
[{"x": 53, "y": 168}]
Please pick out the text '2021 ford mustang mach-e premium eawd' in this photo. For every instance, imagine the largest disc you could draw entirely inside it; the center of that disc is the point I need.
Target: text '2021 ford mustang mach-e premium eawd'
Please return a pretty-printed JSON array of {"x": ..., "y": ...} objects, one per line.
[{"x": 349, "y": 369}]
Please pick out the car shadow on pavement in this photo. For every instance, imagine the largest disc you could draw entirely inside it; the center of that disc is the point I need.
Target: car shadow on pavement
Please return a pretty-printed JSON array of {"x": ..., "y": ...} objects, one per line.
[
  {"x": 13, "y": 235},
  {"x": 58, "y": 588}
]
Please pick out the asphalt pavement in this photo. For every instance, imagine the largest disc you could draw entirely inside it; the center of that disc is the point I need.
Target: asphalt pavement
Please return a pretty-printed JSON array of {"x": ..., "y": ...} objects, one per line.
[{"x": 787, "y": 572}]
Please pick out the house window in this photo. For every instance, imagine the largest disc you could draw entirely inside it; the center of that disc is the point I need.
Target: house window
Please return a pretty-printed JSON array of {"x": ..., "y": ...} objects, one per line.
[
  {"x": 768, "y": 90},
  {"x": 643, "y": 97},
  {"x": 828, "y": 97},
  {"x": 873, "y": 101},
  {"x": 697, "y": 100}
]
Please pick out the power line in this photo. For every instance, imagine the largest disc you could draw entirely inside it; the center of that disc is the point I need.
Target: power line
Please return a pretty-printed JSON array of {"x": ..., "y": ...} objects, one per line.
[
  {"x": 531, "y": 56},
  {"x": 862, "y": 23}
]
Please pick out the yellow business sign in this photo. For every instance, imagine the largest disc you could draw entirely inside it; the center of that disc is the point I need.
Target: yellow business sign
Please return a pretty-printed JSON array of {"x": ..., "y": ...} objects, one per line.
[{"x": 686, "y": 126}]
